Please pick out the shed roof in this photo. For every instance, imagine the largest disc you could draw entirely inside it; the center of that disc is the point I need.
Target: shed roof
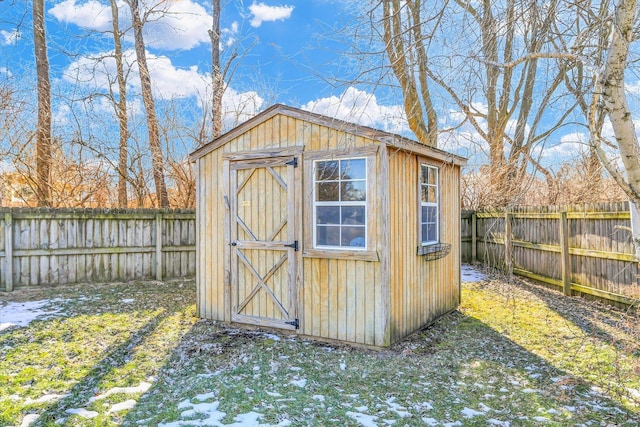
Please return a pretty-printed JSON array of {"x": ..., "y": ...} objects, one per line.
[{"x": 384, "y": 137}]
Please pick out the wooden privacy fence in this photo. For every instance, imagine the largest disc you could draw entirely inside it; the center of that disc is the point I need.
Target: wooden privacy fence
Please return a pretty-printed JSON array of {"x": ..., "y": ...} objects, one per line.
[
  {"x": 581, "y": 249},
  {"x": 58, "y": 246}
]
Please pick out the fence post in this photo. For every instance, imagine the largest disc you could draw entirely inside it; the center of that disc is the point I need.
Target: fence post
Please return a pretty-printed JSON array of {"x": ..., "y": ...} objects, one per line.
[
  {"x": 474, "y": 237},
  {"x": 158, "y": 246},
  {"x": 564, "y": 253},
  {"x": 8, "y": 251},
  {"x": 508, "y": 243}
]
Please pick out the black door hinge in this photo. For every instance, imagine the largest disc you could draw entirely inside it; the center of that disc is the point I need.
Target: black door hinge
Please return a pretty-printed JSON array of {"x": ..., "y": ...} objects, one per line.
[
  {"x": 293, "y": 162},
  {"x": 295, "y": 323},
  {"x": 293, "y": 245}
]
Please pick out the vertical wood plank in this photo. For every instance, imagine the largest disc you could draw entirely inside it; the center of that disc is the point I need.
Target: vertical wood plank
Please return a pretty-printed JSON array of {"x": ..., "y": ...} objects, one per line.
[
  {"x": 474, "y": 237},
  {"x": 158, "y": 257},
  {"x": 8, "y": 251},
  {"x": 508, "y": 217},
  {"x": 564, "y": 253}
]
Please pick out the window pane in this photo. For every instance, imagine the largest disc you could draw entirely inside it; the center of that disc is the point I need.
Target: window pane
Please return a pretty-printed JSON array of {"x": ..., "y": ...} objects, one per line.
[
  {"x": 353, "y": 169},
  {"x": 432, "y": 197},
  {"x": 328, "y": 191},
  {"x": 429, "y": 232},
  {"x": 327, "y": 235},
  {"x": 424, "y": 232},
  {"x": 353, "y": 236},
  {"x": 432, "y": 233},
  {"x": 424, "y": 193},
  {"x": 327, "y": 170},
  {"x": 424, "y": 174},
  {"x": 433, "y": 176},
  {"x": 328, "y": 215},
  {"x": 354, "y": 191},
  {"x": 353, "y": 215},
  {"x": 429, "y": 214}
]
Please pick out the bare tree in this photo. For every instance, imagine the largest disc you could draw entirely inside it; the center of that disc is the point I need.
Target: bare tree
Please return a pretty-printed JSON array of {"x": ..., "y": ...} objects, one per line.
[
  {"x": 217, "y": 79},
  {"x": 43, "y": 129},
  {"x": 157, "y": 157},
  {"x": 610, "y": 100},
  {"x": 405, "y": 47},
  {"x": 121, "y": 107},
  {"x": 489, "y": 59}
]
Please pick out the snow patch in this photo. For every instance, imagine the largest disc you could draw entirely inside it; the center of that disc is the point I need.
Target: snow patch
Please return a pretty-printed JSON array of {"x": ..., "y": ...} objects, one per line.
[
  {"x": 141, "y": 388},
  {"x": 22, "y": 313},
  {"x": 123, "y": 406},
  {"x": 430, "y": 421},
  {"x": 302, "y": 382},
  {"x": 29, "y": 419},
  {"x": 363, "y": 419},
  {"x": 127, "y": 300},
  {"x": 271, "y": 336},
  {"x": 211, "y": 416},
  {"x": 205, "y": 396},
  {"x": 398, "y": 409},
  {"x": 82, "y": 412},
  {"x": 46, "y": 398},
  {"x": 472, "y": 275},
  {"x": 273, "y": 393},
  {"x": 470, "y": 413}
]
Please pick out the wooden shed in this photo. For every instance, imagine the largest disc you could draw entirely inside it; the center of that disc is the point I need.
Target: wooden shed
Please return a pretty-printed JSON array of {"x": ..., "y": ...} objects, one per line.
[{"x": 330, "y": 229}]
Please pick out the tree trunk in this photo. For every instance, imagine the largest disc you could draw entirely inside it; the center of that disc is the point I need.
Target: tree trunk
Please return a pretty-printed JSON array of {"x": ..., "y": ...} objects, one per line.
[
  {"x": 43, "y": 130},
  {"x": 217, "y": 79},
  {"x": 401, "y": 45},
  {"x": 121, "y": 109},
  {"x": 157, "y": 158},
  {"x": 612, "y": 90}
]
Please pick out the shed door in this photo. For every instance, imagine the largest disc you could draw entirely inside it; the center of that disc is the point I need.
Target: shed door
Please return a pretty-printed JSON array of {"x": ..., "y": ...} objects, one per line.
[{"x": 263, "y": 242}]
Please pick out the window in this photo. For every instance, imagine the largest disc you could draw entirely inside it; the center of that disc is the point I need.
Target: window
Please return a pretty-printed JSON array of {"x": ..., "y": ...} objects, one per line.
[
  {"x": 429, "y": 205},
  {"x": 340, "y": 203}
]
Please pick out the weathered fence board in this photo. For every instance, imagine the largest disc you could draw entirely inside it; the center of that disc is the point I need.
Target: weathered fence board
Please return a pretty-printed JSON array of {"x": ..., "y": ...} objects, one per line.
[
  {"x": 586, "y": 249},
  {"x": 58, "y": 246}
]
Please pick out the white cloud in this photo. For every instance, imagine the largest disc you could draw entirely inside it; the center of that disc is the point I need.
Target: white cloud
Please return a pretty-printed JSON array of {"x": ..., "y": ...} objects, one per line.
[
  {"x": 91, "y": 14},
  {"x": 181, "y": 24},
  {"x": 9, "y": 37},
  {"x": 264, "y": 13},
  {"x": 360, "y": 107},
  {"x": 238, "y": 107},
  {"x": 171, "y": 25},
  {"x": 168, "y": 80}
]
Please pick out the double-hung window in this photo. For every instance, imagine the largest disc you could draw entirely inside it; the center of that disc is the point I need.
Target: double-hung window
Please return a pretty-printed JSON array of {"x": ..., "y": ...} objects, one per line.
[
  {"x": 340, "y": 203},
  {"x": 429, "y": 205}
]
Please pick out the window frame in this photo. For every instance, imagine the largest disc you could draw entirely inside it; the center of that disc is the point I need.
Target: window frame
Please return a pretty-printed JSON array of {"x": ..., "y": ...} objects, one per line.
[
  {"x": 421, "y": 204},
  {"x": 340, "y": 203},
  {"x": 370, "y": 251}
]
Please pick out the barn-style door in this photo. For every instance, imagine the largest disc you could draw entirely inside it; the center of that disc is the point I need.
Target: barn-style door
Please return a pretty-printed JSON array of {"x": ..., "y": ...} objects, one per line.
[{"x": 263, "y": 242}]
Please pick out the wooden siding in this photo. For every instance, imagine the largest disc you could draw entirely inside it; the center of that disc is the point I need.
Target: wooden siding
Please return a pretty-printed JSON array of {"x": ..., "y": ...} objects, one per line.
[
  {"x": 598, "y": 251},
  {"x": 420, "y": 290},
  {"x": 60, "y": 246}
]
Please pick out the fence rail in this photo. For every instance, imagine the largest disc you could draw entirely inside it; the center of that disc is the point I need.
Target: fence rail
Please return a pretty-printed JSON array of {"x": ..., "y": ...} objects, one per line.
[
  {"x": 580, "y": 249},
  {"x": 60, "y": 246}
]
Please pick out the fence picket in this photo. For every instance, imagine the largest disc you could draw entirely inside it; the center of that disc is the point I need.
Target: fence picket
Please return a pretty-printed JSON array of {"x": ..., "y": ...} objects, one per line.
[
  {"x": 577, "y": 248},
  {"x": 41, "y": 247}
]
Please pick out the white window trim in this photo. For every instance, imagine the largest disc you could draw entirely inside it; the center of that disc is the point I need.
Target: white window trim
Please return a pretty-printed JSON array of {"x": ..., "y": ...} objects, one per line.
[
  {"x": 316, "y": 203},
  {"x": 435, "y": 204}
]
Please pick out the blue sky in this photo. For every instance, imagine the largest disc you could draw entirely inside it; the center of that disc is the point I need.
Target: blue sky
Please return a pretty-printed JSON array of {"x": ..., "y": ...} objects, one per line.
[{"x": 290, "y": 51}]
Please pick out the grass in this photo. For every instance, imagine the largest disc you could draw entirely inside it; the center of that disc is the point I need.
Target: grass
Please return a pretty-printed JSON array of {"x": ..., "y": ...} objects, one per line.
[{"x": 513, "y": 354}]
